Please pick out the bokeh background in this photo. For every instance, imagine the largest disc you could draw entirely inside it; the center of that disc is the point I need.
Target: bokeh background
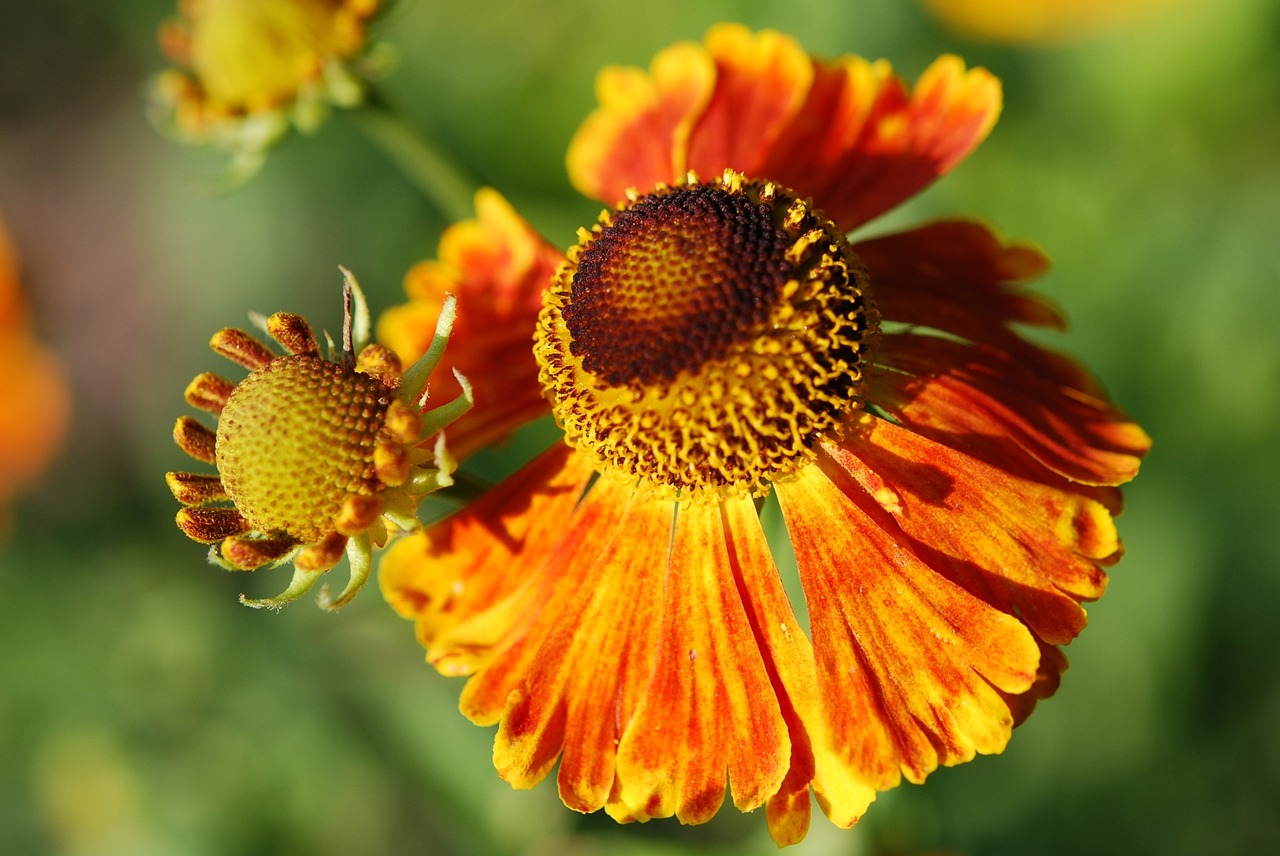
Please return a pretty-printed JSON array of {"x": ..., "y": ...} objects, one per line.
[{"x": 143, "y": 711}]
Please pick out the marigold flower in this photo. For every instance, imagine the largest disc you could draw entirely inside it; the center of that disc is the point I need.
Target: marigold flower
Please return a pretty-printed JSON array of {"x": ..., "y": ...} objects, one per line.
[
  {"x": 316, "y": 457},
  {"x": 251, "y": 68},
  {"x": 33, "y": 387},
  {"x": 948, "y": 486}
]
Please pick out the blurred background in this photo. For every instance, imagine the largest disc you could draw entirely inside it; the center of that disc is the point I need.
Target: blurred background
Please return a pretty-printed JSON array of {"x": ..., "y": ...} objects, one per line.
[{"x": 143, "y": 711}]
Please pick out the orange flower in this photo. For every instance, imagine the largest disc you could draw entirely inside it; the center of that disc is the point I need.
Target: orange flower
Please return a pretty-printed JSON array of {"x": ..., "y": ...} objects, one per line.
[
  {"x": 947, "y": 485},
  {"x": 33, "y": 387},
  {"x": 253, "y": 67}
]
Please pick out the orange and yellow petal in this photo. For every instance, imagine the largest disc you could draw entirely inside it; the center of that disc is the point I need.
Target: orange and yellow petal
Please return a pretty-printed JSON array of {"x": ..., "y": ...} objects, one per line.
[
  {"x": 762, "y": 80},
  {"x": 1028, "y": 549},
  {"x": 959, "y": 277},
  {"x": 453, "y": 579},
  {"x": 910, "y": 664},
  {"x": 710, "y": 708},
  {"x": 1039, "y": 21},
  {"x": 498, "y": 267},
  {"x": 847, "y": 133},
  {"x": 817, "y": 759},
  {"x": 982, "y": 399},
  {"x": 638, "y": 137}
]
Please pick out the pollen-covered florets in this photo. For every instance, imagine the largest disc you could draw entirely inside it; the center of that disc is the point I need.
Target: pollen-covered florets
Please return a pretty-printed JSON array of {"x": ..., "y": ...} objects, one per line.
[
  {"x": 316, "y": 457},
  {"x": 702, "y": 338}
]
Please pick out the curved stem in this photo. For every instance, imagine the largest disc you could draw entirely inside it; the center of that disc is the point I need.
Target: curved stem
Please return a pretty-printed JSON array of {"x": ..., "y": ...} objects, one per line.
[{"x": 443, "y": 182}]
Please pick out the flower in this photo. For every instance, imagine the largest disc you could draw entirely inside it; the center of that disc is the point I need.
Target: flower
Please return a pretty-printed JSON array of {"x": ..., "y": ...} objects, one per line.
[
  {"x": 1038, "y": 21},
  {"x": 33, "y": 387},
  {"x": 315, "y": 457},
  {"x": 253, "y": 67},
  {"x": 947, "y": 485}
]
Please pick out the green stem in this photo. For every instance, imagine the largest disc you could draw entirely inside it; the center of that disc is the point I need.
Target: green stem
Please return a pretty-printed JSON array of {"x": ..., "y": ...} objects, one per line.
[{"x": 443, "y": 182}]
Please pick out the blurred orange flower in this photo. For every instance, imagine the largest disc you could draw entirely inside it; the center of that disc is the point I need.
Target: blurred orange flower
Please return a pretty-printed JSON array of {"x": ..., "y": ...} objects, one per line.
[
  {"x": 253, "y": 67},
  {"x": 33, "y": 387},
  {"x": 948, "y": 486}
]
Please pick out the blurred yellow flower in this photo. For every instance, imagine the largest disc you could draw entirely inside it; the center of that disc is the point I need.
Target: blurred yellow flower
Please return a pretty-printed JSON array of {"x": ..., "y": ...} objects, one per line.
[
  {"x": 1038, "y": 21},
  {"x": 253, "y": 67},
  {"x": 34, "y": 399}
]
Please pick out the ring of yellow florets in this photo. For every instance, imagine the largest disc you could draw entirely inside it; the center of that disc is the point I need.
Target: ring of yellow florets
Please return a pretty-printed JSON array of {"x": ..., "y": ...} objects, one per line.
[
  {"x": 702, "y": 338},
  {"x": 315, "y": 457}
]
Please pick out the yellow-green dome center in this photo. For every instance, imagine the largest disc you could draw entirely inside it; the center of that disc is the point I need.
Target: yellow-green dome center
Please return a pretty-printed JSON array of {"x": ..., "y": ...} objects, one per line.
[{"x": 295, "y": 438}]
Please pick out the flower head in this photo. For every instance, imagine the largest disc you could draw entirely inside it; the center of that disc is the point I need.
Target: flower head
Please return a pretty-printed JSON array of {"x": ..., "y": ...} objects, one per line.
[
  {"x": 947, "y": 485},
  {"x": 316, "y": 457},
  {"x": 251, "y": 68},
  {"x": 33, "y": 387}
]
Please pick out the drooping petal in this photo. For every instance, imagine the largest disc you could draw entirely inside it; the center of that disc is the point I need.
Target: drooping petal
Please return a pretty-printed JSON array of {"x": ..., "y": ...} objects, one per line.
[
  {"x": 910, "y": 664},
  {"x": 638, "y": 136},
  {"x": 573, "y": 680},
  {"x": 710, "y": 707},
  {"x": 498, "y": 267},
  {"x": 817, "y": 757},
  {"x": 1025, "y": 548},
  {"x": 452, "y": 578},
  {"x": 886, "y": 141},
  {"x": 980, "y": 399},
  {"x": 959, "y": 277}
]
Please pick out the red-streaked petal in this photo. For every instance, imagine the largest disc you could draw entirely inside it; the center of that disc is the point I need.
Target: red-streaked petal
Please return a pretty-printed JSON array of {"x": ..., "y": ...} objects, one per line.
[
  {"x": 450, "y": 577},
  {"x": 959, "y": 277},
  {"x": 1026, "y": 548},
  {"x": 710, "y": 706},
  {"x": 586, "y": 660},
  {"x": 849, "y": 133},
  {"x": 638, "y": 135},
  {"x": 498, "y": 267},
  {"x": 909, "y": 663},
  {"x": 978, "y": 398},
  {"x": 761, "y": 81},
  {"x": 865, "y": 142},
  {"x": 818, "y": 757}
]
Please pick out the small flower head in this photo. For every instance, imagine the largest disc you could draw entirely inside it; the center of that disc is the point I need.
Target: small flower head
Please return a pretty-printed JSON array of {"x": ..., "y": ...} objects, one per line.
[
  {"x": 251, "y": 68},
  {"x": 316, "y": 457}
]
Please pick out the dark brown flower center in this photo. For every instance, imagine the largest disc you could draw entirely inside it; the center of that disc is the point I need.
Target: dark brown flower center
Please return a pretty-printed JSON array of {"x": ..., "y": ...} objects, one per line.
[
  {"x": 699, "y": 342},
  {"x": 676, "y": 281}
]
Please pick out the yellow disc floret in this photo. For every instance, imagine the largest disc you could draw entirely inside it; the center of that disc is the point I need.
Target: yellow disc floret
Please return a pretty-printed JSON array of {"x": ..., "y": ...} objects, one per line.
[{"x": 700, "y": 339}]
